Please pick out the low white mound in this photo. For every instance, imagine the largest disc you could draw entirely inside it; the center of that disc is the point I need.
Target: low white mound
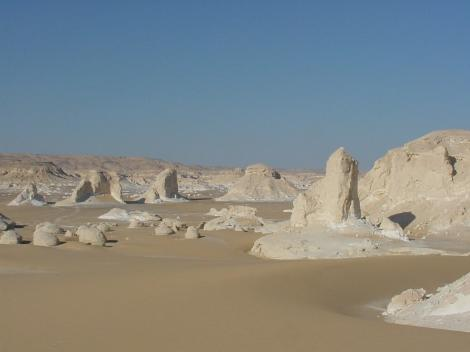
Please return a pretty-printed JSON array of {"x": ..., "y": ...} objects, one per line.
[
  {"x": 163, "y": 230},
  {"x": 424, "y": 185},
  {"x": 176, "y": 224},
  {"x": 6, "y": 223},
  {"x": 324, "y": 243},
  {"x": 238, "y": 218},
  {"x": 192, "y": 233},
  {"x": 10, "y": 237},
  {"x": 50, "y": 228},
  {"x": 44, "y": 239},
  {"x": 448, "y": 308},
  {"x": 95, "y": 183},
  {"x": 260, "y": 184},
  {"x": 119, "y": 214},
  {"x": 29, "y": 196},
  {"x": 91, "y": 235},
  {"x": 165, "y": 188}
]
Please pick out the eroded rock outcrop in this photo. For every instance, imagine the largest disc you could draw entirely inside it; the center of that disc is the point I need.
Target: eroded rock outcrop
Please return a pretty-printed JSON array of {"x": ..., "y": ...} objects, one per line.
[
  {"x": 10, "y": 237},
  {"x": 6, "y": 223},
  {"x": 29, "y": 196},
  {"x": 91, "y": 235},
  {"x": 165, "y": 188},
  {"x": 163, "y": 230},
  {"x": 95, "y": 183},
  {"x": 424, "y": 185},
  {"x": 127, "y": 216},
  {"x": 260, "y": 183},
  {"x": 448, "y": 308},
  {"x": 192, "y": 233},
  {"x": 238, "y": 218},
  {"x": 332, "y": 200}
]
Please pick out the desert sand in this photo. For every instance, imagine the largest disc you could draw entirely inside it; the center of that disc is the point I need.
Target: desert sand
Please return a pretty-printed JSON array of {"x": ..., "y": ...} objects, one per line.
[
  {"x": 112, "y": 272},
  {"x": 146, "y": 292}
]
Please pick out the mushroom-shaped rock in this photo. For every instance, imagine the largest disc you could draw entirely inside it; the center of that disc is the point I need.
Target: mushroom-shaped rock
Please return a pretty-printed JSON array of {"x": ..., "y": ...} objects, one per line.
[
  {"x": 29, "y": 196},
  {"x": 10, "y": 237},
  {"x": 163, "y": 230},
  {"x": 95, "y": 183},
  {"x": 6, "y": 223},
  {"x": 91, "y": 235},
  {"x": 164, "y": 188},
  {"x": 192, "y": 233},
  {"x": 44, "y": 239}
]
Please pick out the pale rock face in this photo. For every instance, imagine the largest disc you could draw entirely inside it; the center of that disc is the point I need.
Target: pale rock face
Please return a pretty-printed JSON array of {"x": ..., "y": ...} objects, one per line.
[
  {"x": 135, "y": 224},
  {"x": 44, "y": 239},
  {"x": 424, "y": 185},
  {"x": 29, "y": 196},
  {"x": 448, "y": 308},
  {"x": 260, "y": 183},
  {"x": 124, "y": 215},
  {"x": 238, "y": 218},
  {"x": 332, "y": 200},
  {"x": 6, "y": 223},
  {"x": 233, "y": 210},
  {"x": 405, "y": 299},
  {"x": 95, "y": 183},
  {"x": 192, "y": 233},
  {"x": 91, "y": 235},
  {"x": 50, "y": 228},
  {"x": 10, "y": 237},
  {"x": 104, "y": 226},
  {"x": 163, "y": 230},
  {"x": 164, "y": 188},
  {"x": 174, "y": 224},
  {"x": 391, "y": 229}
]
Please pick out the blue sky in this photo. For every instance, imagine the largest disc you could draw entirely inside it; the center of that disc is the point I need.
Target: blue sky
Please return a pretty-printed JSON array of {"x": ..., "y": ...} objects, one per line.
[{"x": 231, "y": 82}]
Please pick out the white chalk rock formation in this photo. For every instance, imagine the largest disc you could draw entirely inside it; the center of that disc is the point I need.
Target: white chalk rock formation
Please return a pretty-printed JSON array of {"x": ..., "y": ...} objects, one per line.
[
  {"x": 163, "y": 230},
  {"x": 334, "y": 199},
  {"x": 29, "y": 196},
  {"x": 44, "y": 238},
  {"x": 10, "y": 237},
  {"x": 390, "y": 229},
  {"x": 448, "y": 308},
  {"x": 50, "y": 228},
  {"x": 192, "y": 233},
  {"x": 260, "y": 183},
  {"x": 91, "y": 235},
  {"x": 405, "y": 299},
  {"x": 105, "y": 226},
  {"x": 238, "y": 218},
  {"x": 95, "y": 183},
  {"x": 174, "y": 224},
  {"x": 119, "y": 214},
  {"x": 165, "y": 188},
  {"x": 6, "y": 223},
  {"x": 424, "y": 185}
]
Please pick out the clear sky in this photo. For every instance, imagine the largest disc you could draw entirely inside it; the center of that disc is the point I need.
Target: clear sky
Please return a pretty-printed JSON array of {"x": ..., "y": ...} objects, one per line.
[{"x": 231, "y": 82}]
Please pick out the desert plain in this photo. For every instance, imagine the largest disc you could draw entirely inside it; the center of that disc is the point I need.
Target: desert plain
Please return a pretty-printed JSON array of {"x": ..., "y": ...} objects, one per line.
[{"x": 144, "y": 291}]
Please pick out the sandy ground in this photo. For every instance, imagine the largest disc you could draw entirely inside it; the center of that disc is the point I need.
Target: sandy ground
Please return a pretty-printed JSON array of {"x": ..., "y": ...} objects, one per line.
[{"x": 148, "y": 293}]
